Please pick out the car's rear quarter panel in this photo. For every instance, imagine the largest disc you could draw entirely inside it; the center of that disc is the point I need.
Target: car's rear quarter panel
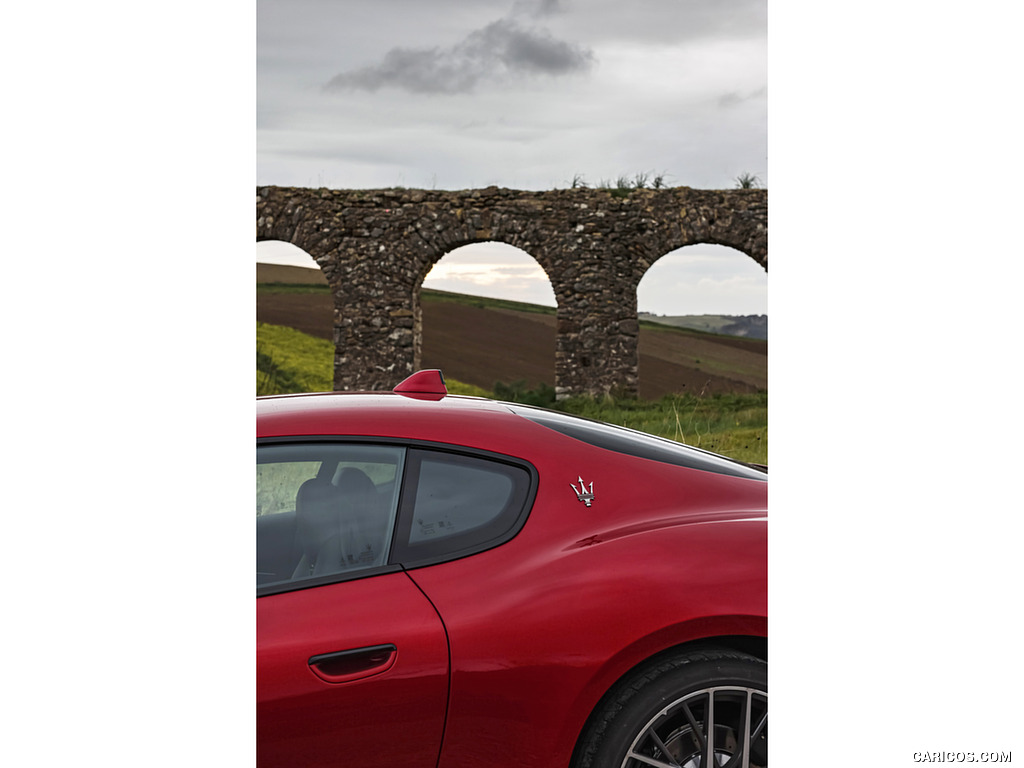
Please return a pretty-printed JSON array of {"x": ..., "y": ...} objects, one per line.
[{"x": 541, "y": 627}]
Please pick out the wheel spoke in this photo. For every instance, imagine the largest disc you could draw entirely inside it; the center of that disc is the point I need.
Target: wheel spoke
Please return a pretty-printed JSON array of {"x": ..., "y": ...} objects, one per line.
[
  {"x": 697, "y": 731},
  {"x": 748, "y": 702},
  {"x": 650, "y": 760},
  {"x": 661, "y": 745},
  {"x": 741, "y": 759},
  {"x": 760, "y": 726},
  {"x": 709, "y": 742}
]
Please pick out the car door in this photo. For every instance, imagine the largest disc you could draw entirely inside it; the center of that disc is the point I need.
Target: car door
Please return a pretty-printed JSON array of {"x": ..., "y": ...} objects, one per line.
[
  {"x": 352, "y": 659},
  {"x": 354, "y": 673}
]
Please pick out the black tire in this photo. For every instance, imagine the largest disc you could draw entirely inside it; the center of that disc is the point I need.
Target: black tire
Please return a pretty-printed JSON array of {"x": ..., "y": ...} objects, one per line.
[{"x": 661, "y": 712}]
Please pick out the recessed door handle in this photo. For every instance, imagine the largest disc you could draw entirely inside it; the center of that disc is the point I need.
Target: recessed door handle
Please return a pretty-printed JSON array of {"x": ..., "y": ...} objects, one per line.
[{"x": 354, "y": 664}]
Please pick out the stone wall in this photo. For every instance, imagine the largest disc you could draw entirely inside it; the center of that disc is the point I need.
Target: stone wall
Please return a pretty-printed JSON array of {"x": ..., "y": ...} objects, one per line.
[{"x": 375, "y": 247}]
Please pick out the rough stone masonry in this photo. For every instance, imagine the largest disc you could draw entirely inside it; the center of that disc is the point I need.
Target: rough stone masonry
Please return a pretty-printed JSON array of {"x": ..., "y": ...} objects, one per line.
[{"x": 375, "y": 246}]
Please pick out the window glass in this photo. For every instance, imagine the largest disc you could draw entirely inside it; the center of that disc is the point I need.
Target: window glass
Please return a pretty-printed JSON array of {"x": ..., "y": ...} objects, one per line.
[
  {"x": 324, "y": 509},
  {"x": 460, "y": 503},
  {"x": 276, "y": 485},
  {"x": 633, "y": 443},
  {"x": 456, "y": 497}
]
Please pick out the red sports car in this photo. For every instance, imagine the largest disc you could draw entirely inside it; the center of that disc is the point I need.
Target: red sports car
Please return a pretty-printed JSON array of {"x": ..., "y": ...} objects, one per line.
[{"x": 449, "y": 581}]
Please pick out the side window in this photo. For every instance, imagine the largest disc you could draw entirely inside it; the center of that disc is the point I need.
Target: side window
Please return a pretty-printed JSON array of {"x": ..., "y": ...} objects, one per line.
[
  {"x": 457, "y": 504},
  {"x": 324, "y": 509}
]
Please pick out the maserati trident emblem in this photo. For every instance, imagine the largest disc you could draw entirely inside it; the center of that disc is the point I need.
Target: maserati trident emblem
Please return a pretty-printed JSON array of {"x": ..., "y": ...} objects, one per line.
[{"x": 583, "y": 493}]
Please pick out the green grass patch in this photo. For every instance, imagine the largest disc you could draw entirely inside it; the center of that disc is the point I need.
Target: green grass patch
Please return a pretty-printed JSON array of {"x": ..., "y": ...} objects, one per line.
[
  {"x": 733, "y": 425},
  {"x": 456, "y": 387},
  {"x": 290, "y": 361}
]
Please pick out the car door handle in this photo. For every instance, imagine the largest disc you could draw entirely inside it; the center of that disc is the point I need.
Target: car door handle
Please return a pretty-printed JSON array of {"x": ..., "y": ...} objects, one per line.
[{"x": 354, "y": 664}]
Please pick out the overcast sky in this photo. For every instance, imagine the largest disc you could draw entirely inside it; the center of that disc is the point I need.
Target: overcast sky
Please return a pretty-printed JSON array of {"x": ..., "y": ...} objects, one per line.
[{"x": 525, "y": 94}]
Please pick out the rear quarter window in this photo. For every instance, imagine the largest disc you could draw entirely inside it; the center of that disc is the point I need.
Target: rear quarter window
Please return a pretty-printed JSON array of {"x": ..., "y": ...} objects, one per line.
[{"x": 456, "y": 504}]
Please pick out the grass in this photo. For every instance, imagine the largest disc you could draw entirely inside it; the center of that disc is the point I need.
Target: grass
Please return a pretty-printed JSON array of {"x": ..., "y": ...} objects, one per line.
[
  {"x": 290, "y": 361},
  {"x": 622, "y": 184},
  {"x": 455, "y": 387},
  {"x": 732, "y": 425}
]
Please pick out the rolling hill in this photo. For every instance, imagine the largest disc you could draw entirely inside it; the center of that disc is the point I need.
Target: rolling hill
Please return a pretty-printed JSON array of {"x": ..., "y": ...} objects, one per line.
[{"x": 750, "y": 326}]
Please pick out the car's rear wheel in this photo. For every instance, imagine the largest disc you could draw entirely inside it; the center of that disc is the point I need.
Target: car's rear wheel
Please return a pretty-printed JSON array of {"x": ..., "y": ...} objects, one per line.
[{"x": 699, "y": 710}]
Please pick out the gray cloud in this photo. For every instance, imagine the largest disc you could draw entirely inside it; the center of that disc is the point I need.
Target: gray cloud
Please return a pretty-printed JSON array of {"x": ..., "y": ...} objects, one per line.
[
  {"x": 501, "y": 49},
  {"x": 733, "y": 98}
]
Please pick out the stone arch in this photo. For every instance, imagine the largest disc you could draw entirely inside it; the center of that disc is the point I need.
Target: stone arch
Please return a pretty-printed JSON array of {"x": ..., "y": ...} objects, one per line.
[{"x": 375, "y": 247}]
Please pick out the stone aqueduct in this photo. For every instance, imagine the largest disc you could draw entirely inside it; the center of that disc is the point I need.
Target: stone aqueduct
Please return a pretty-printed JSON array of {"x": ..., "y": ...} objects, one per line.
[{"x": 375, "y": 247}]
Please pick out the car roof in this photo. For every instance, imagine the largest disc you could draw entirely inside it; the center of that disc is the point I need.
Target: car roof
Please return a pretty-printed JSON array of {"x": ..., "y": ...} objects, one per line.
[{"x": 381, "y": 413}]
